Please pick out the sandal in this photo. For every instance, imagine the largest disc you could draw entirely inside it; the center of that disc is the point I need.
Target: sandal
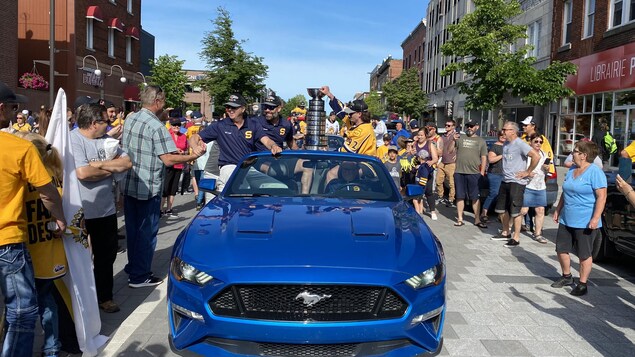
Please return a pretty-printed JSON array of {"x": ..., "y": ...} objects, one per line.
[
  {"x": 481, "y": 225},
  {"x": 459, "y": 223}
]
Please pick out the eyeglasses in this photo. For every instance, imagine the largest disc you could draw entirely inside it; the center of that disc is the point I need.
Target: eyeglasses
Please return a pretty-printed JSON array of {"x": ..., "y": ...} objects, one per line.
[
  {"x": 470, "y": 126},
  {"x": 537, "y": 141},
  {"x": 576, "y": 151},
  {"x": 269, "y": 107},
  {"x": 227, "y": 107}
]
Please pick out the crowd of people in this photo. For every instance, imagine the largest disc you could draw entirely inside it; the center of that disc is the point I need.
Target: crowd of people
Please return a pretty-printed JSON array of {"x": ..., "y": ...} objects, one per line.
[{"x": 144, "y": 158}]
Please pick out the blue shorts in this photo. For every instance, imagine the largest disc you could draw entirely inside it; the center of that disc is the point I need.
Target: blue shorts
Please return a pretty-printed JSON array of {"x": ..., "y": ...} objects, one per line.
[
  {"x": 466, "y": 186},
  {"x": 535, "y": 198}
]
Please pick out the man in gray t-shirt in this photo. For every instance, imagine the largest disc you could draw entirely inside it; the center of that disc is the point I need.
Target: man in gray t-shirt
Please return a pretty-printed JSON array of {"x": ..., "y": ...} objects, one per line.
[
  {"x": 516, "y": 175},
  {"x": 471, "y": 160},
  {"x": 96, "y": 161}
]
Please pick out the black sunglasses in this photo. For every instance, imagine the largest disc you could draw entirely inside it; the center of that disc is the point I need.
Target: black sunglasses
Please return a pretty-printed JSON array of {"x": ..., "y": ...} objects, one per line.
[
  {"x": 537, "y": 141},
  {"x": 470, "y": 126},
  {"x": 268, "y": 107}
]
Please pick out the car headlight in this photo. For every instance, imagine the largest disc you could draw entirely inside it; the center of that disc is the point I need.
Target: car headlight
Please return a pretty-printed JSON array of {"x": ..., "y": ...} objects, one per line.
[
  {"x": 183, "y": 271},
  {"x": 432, "y": 276}
]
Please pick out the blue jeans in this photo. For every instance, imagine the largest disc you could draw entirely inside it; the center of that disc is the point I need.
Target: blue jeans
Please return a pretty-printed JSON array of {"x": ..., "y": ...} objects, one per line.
[
  {"x": 494, "y": 185},
  {"x": 200, "y": 198},
  {"x": 48, "y": 316},
  {"x": 142, "y": 227},
  {"x": 20, "y": 298}
]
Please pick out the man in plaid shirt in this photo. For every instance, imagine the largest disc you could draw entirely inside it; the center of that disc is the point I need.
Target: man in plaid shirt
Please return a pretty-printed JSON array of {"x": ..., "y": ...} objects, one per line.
[{"x": 151, "y": 149}]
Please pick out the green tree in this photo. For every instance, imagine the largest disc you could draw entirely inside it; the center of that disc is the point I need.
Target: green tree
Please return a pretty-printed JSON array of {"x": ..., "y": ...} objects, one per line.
[
  {"x": 404, "y": 94},
  {"x": 292, "y": 103},
  {"x": 167, "y": 72},
  {"x": 481, "y": 44},
  {"x": 375, "y": 107},
  {"x": 231, "y": 69}
]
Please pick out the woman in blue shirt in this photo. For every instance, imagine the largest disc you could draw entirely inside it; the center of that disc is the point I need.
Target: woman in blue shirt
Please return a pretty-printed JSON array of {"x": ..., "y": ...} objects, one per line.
[{"x": 579, "y": 213}]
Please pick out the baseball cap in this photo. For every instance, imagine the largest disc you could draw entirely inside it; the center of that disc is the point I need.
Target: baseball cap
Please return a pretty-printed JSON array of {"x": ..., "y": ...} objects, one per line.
[
  {"x": 393, "y": 148},
  {"x": 356, "y": 106},
  {"x": 25, "y": 112},
  {"x": 528, "y": 120},
  {"x": 175, "y": 121},
  {"x": 109, "y": 104},
  {"x": 273, "y": 100},
  {"x": 84, "y": 99},
  {"x": 387, "y": 137},
  {"x": 189, "y": 113},
  {"x": 414, "y": 124},
  {"x": 195, "y": 115},
  {"x": 8, "y": 96},
  {"x": 236, "y": 101},
  {"x": 471, "y": 123}
]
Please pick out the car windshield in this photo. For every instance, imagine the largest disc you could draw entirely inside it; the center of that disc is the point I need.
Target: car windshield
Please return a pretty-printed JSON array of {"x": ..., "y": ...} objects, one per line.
[{"x": 311, "y": 175}]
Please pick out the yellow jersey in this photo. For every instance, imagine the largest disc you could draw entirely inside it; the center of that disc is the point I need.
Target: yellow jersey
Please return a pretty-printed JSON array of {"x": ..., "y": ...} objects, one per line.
[
  {"x": 360, "y": 140},
  {"x": 21, "y": 164}
]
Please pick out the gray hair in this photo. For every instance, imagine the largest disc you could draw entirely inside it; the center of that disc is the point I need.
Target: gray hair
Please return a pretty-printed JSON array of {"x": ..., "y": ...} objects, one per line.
[
  {"x": 87, "y": 114},
  {"x": 513, "y": 124},
  {"x": 150, "y": 94}
]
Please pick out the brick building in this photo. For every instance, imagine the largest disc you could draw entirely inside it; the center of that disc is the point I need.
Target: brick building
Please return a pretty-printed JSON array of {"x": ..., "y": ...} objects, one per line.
[
  {"x": 89, "y": 35},
  {"x": 9, "y": 40},
  {"x": 413, "y": 50},
  {"x": 385, "y": 72},
  {"x": 600, "y": 40}
]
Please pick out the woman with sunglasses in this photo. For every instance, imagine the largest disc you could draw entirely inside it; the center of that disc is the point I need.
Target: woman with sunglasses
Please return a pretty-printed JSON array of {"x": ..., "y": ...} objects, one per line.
[{"x": 536, "y": 190}]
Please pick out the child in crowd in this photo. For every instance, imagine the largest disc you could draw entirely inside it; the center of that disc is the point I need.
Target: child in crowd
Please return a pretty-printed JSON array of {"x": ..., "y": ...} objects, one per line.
[
  {"x": 382, "y": 150},
  {"x": 424, "y": 177},
  {"x": 393, "y": 165}
]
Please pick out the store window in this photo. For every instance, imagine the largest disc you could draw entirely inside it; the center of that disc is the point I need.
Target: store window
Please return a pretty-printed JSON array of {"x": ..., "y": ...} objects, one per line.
[{"x": 580, "y": 117}]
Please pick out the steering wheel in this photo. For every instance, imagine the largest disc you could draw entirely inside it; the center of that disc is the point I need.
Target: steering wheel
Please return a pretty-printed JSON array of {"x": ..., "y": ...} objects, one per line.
[{"x": 352, "y": 186}]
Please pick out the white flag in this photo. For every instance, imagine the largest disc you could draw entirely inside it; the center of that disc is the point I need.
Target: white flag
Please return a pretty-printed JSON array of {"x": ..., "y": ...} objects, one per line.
[{"x": 79, "y": 280}]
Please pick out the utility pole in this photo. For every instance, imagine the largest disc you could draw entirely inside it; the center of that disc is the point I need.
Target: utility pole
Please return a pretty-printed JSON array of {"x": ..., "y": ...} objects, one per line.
[{"x": 52, "y": 54}]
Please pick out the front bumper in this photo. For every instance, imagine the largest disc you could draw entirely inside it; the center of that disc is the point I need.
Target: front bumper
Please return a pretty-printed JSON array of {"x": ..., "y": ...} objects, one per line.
[{"x": 193, "y": 326}]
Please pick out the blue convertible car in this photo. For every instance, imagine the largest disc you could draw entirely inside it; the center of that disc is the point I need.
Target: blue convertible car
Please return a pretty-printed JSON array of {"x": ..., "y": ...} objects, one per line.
[{"x": 308, "y": 254}]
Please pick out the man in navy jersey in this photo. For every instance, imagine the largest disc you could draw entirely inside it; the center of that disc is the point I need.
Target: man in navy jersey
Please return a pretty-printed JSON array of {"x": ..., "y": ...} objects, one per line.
[{"x": 235, "y": 136}]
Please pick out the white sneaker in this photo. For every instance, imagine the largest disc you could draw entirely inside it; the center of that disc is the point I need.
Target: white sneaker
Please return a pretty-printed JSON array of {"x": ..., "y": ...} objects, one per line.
[{"x": 434, "y": 216}]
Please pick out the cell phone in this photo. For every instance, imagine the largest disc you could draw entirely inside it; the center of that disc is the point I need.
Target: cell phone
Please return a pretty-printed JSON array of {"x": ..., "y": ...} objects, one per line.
[
  {"x": 625, "y": 168},
  {"x": 547, "y": 161}
]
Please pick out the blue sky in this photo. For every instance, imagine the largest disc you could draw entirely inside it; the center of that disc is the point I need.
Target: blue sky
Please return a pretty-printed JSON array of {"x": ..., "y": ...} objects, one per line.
[{"x": 304, "y": 43}]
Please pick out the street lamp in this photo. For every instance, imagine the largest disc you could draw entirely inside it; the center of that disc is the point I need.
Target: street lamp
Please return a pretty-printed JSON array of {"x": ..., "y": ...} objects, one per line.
[
  {"x": 122, "y": 79},
  {"x": 142, "y": 77},
  {"x": 97, "y": 70}
]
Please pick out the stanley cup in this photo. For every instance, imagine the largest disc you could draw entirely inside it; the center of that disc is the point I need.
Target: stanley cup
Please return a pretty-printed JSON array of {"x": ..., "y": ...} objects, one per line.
[{"x": 316, "y": 122}]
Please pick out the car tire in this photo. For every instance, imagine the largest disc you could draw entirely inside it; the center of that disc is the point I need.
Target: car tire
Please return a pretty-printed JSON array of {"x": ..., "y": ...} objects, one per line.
[{"x": 603, "y": 247}]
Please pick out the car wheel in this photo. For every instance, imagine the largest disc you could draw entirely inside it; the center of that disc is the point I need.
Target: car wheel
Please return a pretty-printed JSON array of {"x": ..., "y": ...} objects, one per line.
[{"x": 603, "y": 248}]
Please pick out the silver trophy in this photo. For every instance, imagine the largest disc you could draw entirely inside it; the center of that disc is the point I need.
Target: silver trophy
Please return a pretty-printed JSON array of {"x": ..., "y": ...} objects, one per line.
[{"x": 316, "y": 138}]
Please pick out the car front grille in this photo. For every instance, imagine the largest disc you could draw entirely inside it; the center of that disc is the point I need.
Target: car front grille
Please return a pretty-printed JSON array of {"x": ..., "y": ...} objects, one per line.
[
  {"x": 286, "y": 350},
  {"x": 308, "y": 302}
]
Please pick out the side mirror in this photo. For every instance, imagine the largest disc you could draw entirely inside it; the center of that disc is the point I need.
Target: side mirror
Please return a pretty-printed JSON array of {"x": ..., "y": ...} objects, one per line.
[
  {"x": 208, "y": 185},
  {"x": 413, "y": 191}
]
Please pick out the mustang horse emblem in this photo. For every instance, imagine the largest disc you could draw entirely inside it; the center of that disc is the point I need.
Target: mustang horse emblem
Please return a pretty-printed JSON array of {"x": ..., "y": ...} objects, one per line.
[{"x": 311, "y": 299}]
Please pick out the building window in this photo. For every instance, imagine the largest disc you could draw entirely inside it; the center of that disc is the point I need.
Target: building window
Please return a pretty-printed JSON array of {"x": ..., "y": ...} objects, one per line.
[
  {"x": 129, "y": 50},
  {"x": 111, "y": 42},
  {"x": 89, "y": 34},
  {"x": 130, "y": 7},
  {"x": 589, "y": 18},
  {"x": 533, "y": 39},
  {"x": 567, "y": 18},
  {"x": 622, "y": 12}
]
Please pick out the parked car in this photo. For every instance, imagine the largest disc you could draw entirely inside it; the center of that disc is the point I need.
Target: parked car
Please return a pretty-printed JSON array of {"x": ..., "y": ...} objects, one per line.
[
  {"x": 567, "y": 142},
  {"x": 618, "y": 224},
  {"x": 349, "y": 269}
]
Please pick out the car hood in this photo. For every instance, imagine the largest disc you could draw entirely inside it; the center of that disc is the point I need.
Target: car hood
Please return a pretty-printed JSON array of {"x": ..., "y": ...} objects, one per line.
[{"x": 308, "y": 232}]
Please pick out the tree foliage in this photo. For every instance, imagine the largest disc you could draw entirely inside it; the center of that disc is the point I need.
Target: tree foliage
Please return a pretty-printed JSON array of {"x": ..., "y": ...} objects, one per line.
[
  {"x": 404, "y": 94},
  {"x": 292, "y": 103},
  {"x": 481, "y": 44},
  {"x": 375, "y": 107},
  {"x": 167, "y": 72},
  {"x": 230, "y": 68}
]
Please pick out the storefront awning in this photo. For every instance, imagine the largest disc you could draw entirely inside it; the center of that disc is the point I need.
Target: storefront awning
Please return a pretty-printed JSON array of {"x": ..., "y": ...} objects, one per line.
[
  {"x": 131, "y": 94},
  {"x": 94, "y": 12},
  {"x": 115, "y": 23},
  {"x": 132, "y": 31}
]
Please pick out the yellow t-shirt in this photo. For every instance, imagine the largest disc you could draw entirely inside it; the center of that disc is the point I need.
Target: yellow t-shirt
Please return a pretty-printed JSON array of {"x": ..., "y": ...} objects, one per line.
[
  {"x": 382, "y": 153},
  {"x": 47, "y": 251},
  {"x": 21, "y": 164},
  {"x": 25, "y": 128},
  {"x": 194, "y": 129},
  {"x": 361, "y": 140},
  {"x": 630, "y": 150}
]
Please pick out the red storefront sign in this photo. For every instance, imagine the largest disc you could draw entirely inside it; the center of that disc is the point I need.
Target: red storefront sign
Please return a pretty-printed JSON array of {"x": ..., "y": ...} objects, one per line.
[{"x": 605, "y": 71}]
